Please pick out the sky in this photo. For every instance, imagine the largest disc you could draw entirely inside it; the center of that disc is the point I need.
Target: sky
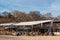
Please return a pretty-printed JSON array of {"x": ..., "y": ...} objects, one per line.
[{"x": 44, "y": 6}]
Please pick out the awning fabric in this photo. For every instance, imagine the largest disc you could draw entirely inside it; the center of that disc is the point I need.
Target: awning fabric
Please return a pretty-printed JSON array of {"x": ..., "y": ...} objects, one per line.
[
  {"x": 26, "y": 23},
  {"x": 33, "y": 22}
]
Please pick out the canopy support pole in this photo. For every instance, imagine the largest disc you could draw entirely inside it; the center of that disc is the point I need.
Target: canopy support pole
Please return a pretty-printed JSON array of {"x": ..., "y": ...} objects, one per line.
[
  {"x": 41, "y": 24},
  {"x": 50, "y": 33},
  {"x": 32, "y": 26}
]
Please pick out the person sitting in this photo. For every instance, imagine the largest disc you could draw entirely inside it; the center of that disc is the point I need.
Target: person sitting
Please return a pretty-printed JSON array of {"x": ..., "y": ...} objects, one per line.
[{"x": 46, "y": 33}]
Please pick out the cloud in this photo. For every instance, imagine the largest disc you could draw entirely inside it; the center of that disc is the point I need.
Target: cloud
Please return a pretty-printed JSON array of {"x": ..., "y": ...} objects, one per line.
[
  {"x": 54, "y": 8},
  {"x": 43, "y": 6},
  {"x": 23, "y": 4},
  {"x": 55, "y": 5}
]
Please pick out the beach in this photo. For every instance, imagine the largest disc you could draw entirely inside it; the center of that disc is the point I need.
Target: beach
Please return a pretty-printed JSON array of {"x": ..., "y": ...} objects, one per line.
[{"x": 9, "y": 37}]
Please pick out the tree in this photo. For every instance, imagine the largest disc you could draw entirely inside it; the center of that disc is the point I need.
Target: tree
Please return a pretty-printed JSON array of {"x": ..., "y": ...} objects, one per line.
[
  {"x": 20, "y": 16},
  {"x": 35, "y": 15},
  {"x": 10, "y": 15},
  {"x": 5, "y": 14},
  {"x": 58, "y": 17},
  {"x": 48, "y": 16}
]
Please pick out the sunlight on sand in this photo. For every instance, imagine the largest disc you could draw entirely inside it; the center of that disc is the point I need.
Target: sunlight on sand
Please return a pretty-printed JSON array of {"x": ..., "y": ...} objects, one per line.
[{"x": 8, "y": 37}]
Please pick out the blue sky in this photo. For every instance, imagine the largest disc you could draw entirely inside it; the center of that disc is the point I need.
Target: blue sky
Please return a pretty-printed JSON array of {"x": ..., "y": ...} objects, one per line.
[{"x": 43, "y": 6}]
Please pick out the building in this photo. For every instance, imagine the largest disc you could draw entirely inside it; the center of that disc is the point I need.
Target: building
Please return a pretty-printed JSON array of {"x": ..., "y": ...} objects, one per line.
[{"x": 31, "y": 28}]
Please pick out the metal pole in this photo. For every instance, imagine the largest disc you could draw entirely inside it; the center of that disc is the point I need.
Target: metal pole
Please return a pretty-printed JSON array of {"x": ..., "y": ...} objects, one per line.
[
  {"x": 24, "y": 29},
  {"x": 41, "y": 25},
  {"x": 32, "y": 26},
  {"x": 32, "y": 29},
  {"x": 50, "y": 28}
]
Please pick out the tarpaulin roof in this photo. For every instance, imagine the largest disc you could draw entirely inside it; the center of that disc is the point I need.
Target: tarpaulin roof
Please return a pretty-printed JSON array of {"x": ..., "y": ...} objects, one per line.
[
  {"x": 26, "y": 23},
  {"x": 33, "y": 22}
]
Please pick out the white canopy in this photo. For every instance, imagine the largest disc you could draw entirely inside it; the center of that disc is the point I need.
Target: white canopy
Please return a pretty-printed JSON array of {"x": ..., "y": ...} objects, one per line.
[
  {"x": 26, "y": 23},
  {"x": 33, "y": 22},
  {"x": 6, "y": 24}
]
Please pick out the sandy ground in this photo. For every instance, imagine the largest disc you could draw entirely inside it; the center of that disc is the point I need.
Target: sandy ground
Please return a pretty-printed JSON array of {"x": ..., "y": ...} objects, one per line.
[{"x": 8, "y": 37}]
